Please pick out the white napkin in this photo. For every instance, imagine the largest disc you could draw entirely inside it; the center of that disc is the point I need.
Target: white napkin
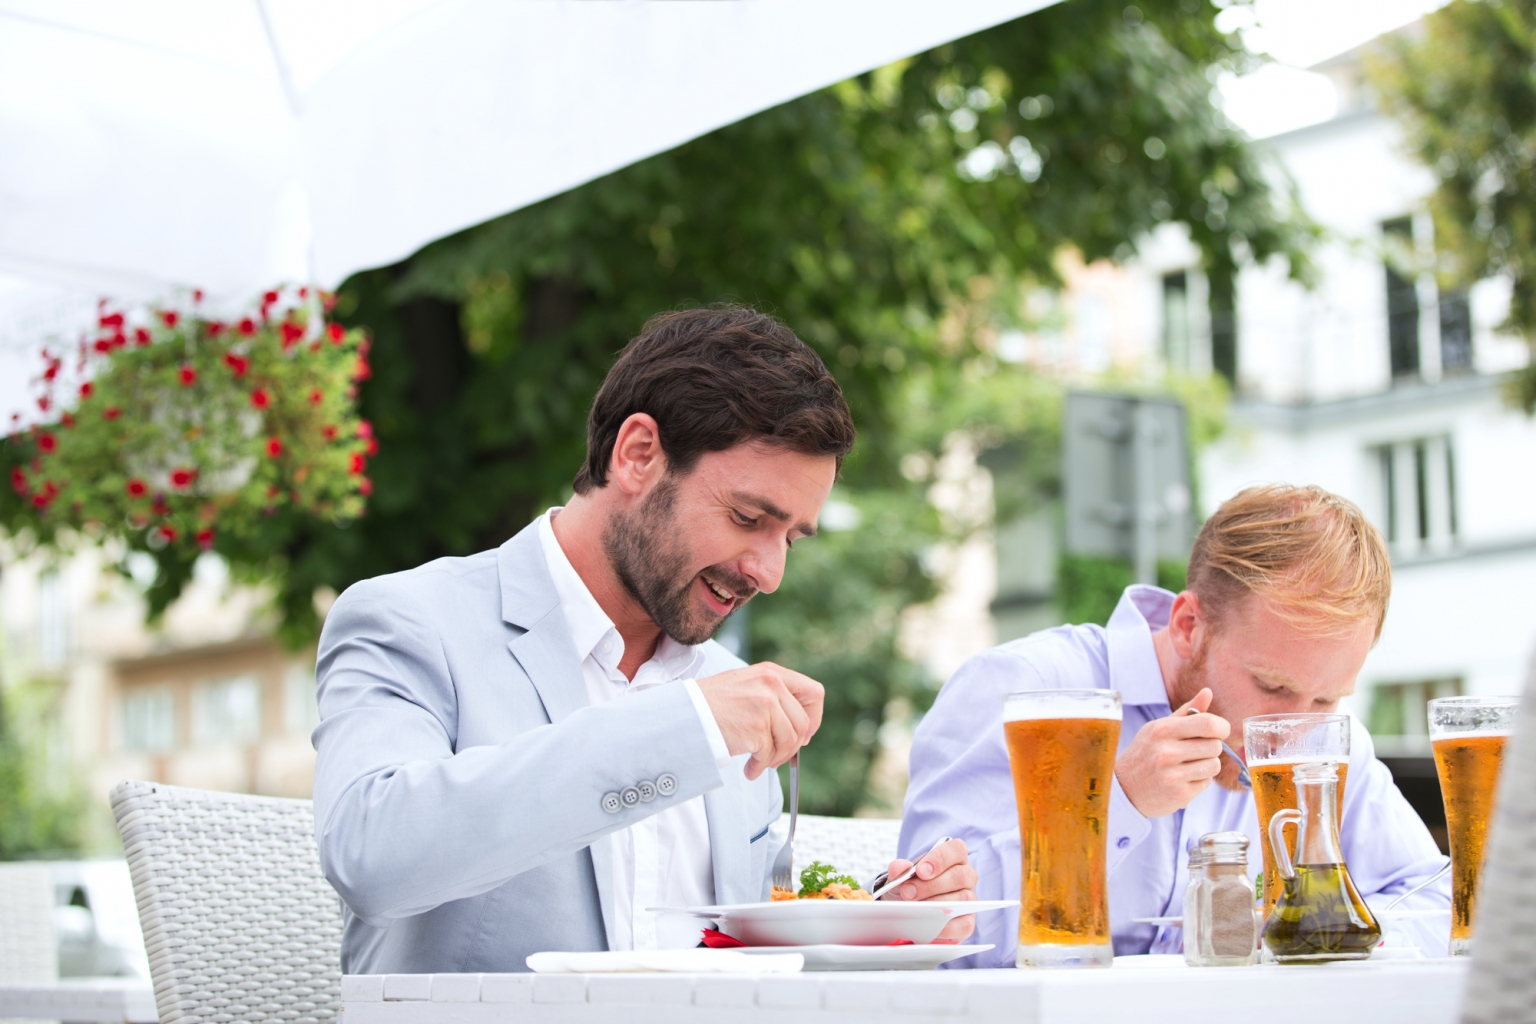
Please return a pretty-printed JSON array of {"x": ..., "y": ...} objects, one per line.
[{"x": 683, "y": 961}]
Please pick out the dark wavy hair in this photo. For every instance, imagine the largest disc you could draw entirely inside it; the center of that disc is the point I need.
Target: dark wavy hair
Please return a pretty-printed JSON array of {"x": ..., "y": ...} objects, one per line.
[{"x": 713, "y": 378}]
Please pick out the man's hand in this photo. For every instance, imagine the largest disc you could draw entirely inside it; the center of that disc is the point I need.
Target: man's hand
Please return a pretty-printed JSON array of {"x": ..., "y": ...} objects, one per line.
[
  {"x": 943, "y": 873},
  {"x": 765, "y": 710},
  {"x": 1172, "y": 760}
]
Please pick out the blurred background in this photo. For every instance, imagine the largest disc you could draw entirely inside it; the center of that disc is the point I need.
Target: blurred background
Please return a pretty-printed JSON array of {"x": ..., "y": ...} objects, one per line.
[{"x": 1307, "y": 227}]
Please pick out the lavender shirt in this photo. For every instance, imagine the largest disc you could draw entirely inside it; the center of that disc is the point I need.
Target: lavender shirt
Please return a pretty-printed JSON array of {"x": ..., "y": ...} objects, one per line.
[{"x": 961, "y": 786}]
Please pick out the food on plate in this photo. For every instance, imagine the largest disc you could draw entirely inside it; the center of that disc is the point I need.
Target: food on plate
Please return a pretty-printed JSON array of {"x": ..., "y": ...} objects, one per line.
[{"x": 821, "y": 882}]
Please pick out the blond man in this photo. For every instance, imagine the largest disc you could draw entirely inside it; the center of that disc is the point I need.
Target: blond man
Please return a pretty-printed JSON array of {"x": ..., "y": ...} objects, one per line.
[{"x": 1288, "y": 587}]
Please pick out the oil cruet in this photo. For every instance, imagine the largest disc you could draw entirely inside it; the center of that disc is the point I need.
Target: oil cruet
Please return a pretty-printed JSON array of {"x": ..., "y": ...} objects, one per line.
[{"x": 1319, "y": 916}]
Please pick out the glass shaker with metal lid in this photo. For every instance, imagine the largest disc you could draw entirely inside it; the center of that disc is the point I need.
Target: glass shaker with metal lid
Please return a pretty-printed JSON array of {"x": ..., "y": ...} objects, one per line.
[{"x": 1220, "y": 928}]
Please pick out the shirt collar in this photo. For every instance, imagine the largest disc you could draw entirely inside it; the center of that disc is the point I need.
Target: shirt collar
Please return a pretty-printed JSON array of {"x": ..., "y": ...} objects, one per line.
[
  {"x": 590, "y": 625},
  {"x": 1133, "y": 666}
]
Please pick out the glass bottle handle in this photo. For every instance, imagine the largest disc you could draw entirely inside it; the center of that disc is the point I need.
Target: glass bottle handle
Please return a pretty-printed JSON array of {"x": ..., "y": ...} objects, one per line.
[{"x": 1277, "y": 823}]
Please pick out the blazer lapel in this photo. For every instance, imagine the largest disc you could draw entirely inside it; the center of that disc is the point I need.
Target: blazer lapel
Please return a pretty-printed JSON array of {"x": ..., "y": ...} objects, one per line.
[
  {"x": 529, "y": 602},
  {"x": 545, "y": 652}
]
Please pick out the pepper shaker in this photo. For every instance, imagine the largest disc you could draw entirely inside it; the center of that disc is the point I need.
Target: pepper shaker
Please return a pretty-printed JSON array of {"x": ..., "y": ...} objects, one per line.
[{"x": 1220, "y": 929}]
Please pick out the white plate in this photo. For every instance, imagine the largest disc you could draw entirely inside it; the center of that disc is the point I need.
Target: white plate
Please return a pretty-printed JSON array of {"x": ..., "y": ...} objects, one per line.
[
  {"x": 837, "y": 922},
  {"x": 686, "y": 961},
  {"x": 871, "y": 958}
]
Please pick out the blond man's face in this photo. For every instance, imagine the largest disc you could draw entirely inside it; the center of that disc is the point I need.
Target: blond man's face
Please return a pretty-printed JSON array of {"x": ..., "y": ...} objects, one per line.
[{"x": 1258, "y": 663}]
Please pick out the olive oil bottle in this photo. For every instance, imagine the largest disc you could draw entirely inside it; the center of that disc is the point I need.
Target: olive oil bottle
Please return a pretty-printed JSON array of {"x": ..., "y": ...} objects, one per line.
[{"x": 1319, "y": 915}]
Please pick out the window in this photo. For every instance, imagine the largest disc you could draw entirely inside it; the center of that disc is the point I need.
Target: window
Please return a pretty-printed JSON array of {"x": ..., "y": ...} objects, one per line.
[
  {"x": 1402, "y": 304},
  {"x": 1418, "y": 484},
  {"x": 1399, "y": 709},
  {"x": 1224, "y": 327},
  {"x": 226, "y": 712},
  {"x": 149, "y": 719},
  {"x": 1455, "y": 332},
  {"x": 1176, "y": 325},
  {"x": 300, "y": 711}
]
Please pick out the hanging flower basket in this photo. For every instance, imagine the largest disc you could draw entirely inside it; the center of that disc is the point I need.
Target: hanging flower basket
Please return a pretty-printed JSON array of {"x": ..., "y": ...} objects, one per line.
[{"x": 175, "y": 430}]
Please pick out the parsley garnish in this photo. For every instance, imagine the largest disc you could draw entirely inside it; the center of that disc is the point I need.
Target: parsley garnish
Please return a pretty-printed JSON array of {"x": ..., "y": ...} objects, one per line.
[{"x": 818, "y": 876}]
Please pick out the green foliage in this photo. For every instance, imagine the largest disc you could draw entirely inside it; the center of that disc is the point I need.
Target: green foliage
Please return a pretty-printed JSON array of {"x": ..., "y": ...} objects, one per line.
[
  {"x": 1087, "y": 589},
  {"x": 185, "y": 434},
  {"x": 34, "y": 818},
  {"x": 818, "y": 876},
  {"x": 1464, "y": 91}
]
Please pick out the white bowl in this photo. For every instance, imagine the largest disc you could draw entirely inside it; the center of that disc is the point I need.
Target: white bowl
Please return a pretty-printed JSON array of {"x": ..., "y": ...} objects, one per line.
[{"x": 837, "y": 922}]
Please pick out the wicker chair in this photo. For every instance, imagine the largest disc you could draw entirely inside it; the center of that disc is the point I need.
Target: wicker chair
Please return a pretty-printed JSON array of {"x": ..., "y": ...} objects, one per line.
[
  {"x": 238, "y": 922},
  {"x": 1502, "y": 986},
  {"x": 861, "y": 847}
]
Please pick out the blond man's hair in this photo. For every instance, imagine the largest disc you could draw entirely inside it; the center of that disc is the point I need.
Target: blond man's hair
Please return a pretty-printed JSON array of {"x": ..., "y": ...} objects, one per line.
[{"x": 1312, "y": 555}]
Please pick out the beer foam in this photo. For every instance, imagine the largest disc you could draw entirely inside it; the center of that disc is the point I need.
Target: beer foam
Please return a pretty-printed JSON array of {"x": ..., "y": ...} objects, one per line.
[
  {"x": 1471, "y": 735},
  {"x": 1057, "y": 706},
  {"x": 1299, "y": 759}
]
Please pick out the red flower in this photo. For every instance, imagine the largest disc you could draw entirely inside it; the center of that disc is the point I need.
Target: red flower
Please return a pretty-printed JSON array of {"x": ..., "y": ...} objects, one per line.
[
  {"x": 274, "y": 447},
  {"x": 47, "y": 443},
  {"x": 169, "y": 317},
  {"x": 373, "y": 447},
  {"x": 205, "y": 539},
  {"x": 215, "y": 328},
  {"x": 260, "y": 399},
  {"x": 52, "y": 371},
  {"x": 168, "y": 532},
  {"x": 43, "y": 497},
  {"x": 102, "y": 345},
  {"x": 18, "y": 480},
  {"x": 197, "y": 295},
  {"x": 87, "y": 389},
  {"x": 140, "y": 336},
  {"x": 113, "y": 320},
  {"x": 363, "y": 371},
  {"x": 111, "y": 412},
  {"x": 67, "y": 419},
  {"x": 246, "y": 327},
  {"x": 182, "y": 477},
  {"x": 358, "y": 463},
  {"x": 329, "y": 431},
  {"x": 136, "y": 488},
  {"x": 187, "y": 374},
  {"x": 365, "y": 486},
  {"x": 160, "y": 507},
  {"x": 316, "y": 397},
  {"x": 337, "y": 333},
  {"x": 43, "y": 403},
  {"x": 239, "y": 364},
  {"x": 274, "y": 491},
  {"x": 364, "y": 428},
  {"x": 269, "y": 299},
  {"x": 291, "y": 332}
]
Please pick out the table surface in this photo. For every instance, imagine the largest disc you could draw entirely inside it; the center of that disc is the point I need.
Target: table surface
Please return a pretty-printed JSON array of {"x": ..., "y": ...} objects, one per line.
[
  {"x": 81, "y": 1001},
  {"x": 1144, "y": 990}
]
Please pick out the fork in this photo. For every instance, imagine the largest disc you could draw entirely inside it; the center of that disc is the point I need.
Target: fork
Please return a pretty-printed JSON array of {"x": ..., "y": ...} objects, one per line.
[{"x": 784, "y": 863}]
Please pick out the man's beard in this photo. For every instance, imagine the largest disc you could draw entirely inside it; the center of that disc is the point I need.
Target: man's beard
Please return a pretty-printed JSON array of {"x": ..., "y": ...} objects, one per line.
[
  {"x": 1193, "y": 677},
  {"x": 650, "y": 558}
]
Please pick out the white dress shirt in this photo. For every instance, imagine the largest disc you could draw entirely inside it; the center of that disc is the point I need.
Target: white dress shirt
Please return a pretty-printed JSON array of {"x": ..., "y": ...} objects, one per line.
[{"x": 664, "y": 860}]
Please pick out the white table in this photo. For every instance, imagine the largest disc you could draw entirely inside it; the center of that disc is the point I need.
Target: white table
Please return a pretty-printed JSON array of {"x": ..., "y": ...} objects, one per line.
[
  {"x": 1152, "y": 990},
  {"x": 82, "y": 1001}
]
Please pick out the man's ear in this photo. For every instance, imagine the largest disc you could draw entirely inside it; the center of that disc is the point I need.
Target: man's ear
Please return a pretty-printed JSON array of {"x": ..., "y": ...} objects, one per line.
[
  {"x": 1186, "y": 624},
  {"x": 637, "y": 459}
]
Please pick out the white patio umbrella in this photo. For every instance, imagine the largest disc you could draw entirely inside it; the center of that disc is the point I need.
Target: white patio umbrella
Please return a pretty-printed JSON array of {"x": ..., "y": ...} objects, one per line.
[{"x": 232, "y": 144}]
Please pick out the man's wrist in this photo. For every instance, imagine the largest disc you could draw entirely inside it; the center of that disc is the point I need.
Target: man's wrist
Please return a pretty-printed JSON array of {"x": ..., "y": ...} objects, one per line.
[{"x": 712, "y": 733}]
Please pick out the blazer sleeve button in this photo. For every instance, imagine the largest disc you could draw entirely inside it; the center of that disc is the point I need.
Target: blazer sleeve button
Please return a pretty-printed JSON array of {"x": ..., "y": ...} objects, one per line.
[
  {"x": 611, "y": 803},
  {"x": 630, "y": 795},
  {"x": 666, "y": 784},
  {"x": 647, "y": 790}
]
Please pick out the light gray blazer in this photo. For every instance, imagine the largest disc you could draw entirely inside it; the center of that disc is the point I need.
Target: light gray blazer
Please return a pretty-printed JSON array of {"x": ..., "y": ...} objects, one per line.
[{"x": 461, "y": 772}]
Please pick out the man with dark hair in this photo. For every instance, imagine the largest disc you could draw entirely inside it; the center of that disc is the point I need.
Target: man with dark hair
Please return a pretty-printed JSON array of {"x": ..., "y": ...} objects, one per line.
[{"x": 526, "y": 749}]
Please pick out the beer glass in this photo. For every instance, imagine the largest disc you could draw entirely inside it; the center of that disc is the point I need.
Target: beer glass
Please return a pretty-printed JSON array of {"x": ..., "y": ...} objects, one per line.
[
  {"x": 1468, "y": 734},
  {"x": 1273, "y": 745},
  {"x": 1061, "y": 746}
]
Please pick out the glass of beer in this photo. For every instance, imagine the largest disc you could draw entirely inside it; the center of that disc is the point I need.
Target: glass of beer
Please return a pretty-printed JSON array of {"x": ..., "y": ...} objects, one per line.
[
  {"x": 1468, "y": 734},
  {"x": 1061, "y": 746},
  {"x": 1273, "y": 745}
]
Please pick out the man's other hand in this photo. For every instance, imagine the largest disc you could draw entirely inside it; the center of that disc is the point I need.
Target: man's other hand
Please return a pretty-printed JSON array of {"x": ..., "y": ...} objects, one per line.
[
  {"x": 943, "y": 873},
  {"x": 1172, "y": 760},
  {"x": 764, "y": 710}
]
